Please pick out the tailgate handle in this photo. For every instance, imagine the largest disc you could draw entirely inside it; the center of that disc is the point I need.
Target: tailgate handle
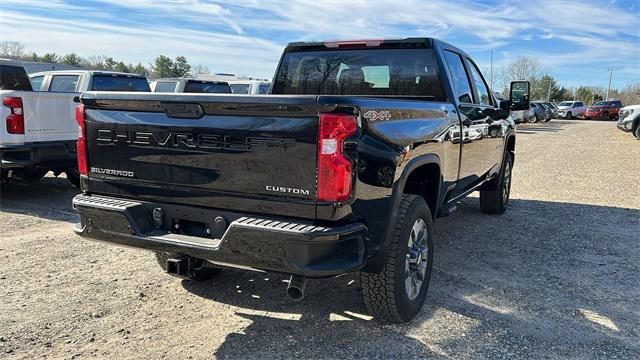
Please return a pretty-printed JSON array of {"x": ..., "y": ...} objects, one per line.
[{"x": 183, "y": 110}]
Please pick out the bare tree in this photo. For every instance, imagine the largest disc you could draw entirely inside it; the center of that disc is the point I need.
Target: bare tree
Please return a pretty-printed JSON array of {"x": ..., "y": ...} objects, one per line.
[
  {"x": 523, "y": 68},
  {"x": 199, "y": 69},
  {"x": 97, "y": 62},
  {"x": 630, "y": 95},
  {"x": 11, "y": 49}
]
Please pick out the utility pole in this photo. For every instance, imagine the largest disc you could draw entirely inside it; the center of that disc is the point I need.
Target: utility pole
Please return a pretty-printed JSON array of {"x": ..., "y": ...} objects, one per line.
[
  {"x": 491, "y": 71},
  {"x": 609, "y": 87},
  {"x": 549, "y": 91}
]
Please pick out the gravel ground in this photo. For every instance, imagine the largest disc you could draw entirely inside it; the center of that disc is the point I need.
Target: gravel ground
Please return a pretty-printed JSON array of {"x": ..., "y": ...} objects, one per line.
[{"x": 557, "y": 276}]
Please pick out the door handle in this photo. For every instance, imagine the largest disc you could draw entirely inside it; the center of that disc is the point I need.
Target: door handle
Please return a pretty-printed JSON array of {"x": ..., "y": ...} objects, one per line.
[{"x": 466, "y": 122}]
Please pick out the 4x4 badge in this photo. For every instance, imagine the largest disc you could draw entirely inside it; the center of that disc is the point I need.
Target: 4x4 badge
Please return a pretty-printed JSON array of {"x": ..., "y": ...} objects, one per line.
[{"x": 377, "y": 115}]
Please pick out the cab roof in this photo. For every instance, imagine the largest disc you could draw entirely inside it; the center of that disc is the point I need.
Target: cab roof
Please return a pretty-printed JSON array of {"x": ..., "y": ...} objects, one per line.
[
  {"x": 410, "y": 42},
  {"x": 91, "y": 72}
]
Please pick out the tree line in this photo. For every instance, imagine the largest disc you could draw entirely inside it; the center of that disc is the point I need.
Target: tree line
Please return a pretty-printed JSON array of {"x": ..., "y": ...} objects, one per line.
[
  {"x": 545, "y": 87},
  {"x": 163, "y": 66}
]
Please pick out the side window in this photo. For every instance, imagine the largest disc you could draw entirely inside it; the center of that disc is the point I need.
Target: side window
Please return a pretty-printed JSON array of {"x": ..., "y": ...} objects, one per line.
[
  {"x": 36, "y": 82},
  {"x": 165, "y": 86},
  {"x": 482, "y": 88},
  {"x": 240, "y": 88},
  {"x": 64, "y": 83},
  {"x": 461, "y": 85}
]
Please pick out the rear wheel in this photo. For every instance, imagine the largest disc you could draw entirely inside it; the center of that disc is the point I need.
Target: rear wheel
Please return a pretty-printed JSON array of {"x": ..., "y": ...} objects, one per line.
[
  {"x": 201, "y": 270},
  {"x": 636, "y": 132},
  {"x": 396, "y": 294},
  {"x": 73, "y": 176},
  {"x": 496, "y": 201}
]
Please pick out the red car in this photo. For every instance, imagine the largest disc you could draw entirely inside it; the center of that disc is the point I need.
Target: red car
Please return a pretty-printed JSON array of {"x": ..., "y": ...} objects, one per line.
[{"x": 603, "y": 110}]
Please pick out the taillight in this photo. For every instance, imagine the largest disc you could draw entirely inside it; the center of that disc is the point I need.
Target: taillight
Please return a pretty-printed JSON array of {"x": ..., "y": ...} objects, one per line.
[
  {"x": 334, "y": 169},
  {"x": 15, "y": 120},
  {"x": 82, "y": 141}
]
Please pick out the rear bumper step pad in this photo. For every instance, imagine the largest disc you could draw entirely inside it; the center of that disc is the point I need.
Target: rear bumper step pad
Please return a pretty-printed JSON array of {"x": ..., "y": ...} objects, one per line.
[{"x": 273, "y": 244}]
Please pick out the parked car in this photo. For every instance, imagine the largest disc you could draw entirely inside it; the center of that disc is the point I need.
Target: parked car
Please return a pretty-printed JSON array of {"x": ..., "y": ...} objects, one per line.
[
  {"x": 539, "y": 112},
  {"x": 551, "y": 110},
  {"x": 182, "y": 85},
  {"x": 330, "y": 179},
  {"x": 548, "y": 110},
  {"x": 38, "y": 133},
  {"x": 523, "y": 116},
  {"x": 250, "y": 87},
  {"x": 554, "y": 109},
  {"x": 629, "y": 119},
  {"x": 571, "y": 109},
  {"x": 78, "y": 81},
  {"x": 605, "y": 110}
]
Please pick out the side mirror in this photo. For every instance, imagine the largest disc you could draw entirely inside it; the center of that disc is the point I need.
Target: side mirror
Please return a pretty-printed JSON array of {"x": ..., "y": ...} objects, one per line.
[
  {"x": 519, "y": 95},
  {"x": 496, "y": 114}
]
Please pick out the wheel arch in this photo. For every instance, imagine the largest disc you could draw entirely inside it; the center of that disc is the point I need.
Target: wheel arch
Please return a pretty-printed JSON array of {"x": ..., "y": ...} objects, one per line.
[{"x": 424, "y": 168}]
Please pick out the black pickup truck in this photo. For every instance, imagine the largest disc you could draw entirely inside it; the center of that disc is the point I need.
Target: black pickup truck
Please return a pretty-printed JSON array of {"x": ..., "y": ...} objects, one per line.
[{"x": 342, "y": 168}]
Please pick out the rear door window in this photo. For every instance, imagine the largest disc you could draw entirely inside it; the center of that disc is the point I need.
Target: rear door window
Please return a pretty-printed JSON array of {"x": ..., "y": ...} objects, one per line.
[
  {"x": 119, "y": 83},
  {"x": 461, "y": 84},
  {"x": 14, "y": 78},
  {"x": 64, "y": 83},
  {"x": 165, "y": 86},
  {"x": 36, "y": 82}
]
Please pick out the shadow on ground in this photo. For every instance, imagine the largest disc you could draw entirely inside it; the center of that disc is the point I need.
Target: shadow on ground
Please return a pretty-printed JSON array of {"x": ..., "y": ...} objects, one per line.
[
  {"x": 50, "y": 198},
  {"x": 545, "y": 278}
]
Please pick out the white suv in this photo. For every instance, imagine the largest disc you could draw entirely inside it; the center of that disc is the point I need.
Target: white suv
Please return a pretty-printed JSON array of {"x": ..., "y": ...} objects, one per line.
[{"x": 571, "y": 109}]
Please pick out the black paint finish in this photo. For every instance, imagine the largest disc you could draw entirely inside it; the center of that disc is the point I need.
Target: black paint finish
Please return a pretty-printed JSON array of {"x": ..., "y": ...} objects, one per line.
[{"x": 227, "y": 158}]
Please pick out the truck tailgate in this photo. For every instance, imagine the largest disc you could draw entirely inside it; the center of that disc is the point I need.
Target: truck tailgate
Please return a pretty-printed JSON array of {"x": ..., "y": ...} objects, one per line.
[{"x": 244, "y": 153}]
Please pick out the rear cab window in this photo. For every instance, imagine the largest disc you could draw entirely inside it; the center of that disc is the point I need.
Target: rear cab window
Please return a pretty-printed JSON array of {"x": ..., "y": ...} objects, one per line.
[
  {"x": 108, "y": 82},
  {"x": 263, "y": 89},
  {"x": 14, "y": 78},
  {"x": 408, "y": 72},
  {"x": 165, "y": 86},
  {"x": 194, "y": 86},
  {"x": 64, "y": 83}
]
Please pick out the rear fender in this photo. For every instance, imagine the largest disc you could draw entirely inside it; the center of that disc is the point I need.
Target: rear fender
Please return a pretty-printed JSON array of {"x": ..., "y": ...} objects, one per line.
[{"x": 376, "y": 263}]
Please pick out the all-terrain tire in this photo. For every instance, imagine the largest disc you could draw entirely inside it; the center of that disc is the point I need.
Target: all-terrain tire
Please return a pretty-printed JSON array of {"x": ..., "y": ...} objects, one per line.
[
  {"x": 73, "y": 176},
  {"x": 385, "y": 293},
  {"x": 495, "y": 201},
  {"x": 201, "y": 273}
]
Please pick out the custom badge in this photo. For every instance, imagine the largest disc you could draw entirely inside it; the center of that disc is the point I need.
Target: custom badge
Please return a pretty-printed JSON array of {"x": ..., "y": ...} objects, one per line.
[{"x": 377, "y": 115}]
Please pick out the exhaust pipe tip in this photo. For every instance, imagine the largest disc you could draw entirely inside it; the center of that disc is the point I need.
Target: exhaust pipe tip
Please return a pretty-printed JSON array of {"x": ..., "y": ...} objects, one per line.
[{"x": 296, "y": 287}]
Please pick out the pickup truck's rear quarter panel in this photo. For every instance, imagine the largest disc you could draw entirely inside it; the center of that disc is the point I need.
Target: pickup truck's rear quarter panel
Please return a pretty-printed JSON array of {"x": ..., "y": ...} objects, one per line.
[
  {"x": 426, "y": 128},
  {"x": 234, "y": 157}
]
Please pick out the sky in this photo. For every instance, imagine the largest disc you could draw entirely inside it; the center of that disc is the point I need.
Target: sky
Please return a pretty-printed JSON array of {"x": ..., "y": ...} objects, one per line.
[{"x": 577, "y": 41}]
